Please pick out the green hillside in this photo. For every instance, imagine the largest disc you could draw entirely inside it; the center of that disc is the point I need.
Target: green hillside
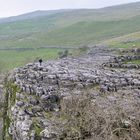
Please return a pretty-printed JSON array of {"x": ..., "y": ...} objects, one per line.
[
  {"x": 91, "y": 32},
  {"x": 69, "y": 27},
  {"x": 126, "y": 41}
]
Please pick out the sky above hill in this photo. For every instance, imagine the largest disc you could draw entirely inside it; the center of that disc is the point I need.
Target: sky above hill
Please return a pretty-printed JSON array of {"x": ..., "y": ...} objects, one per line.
[{"x": 17, "y": 7}]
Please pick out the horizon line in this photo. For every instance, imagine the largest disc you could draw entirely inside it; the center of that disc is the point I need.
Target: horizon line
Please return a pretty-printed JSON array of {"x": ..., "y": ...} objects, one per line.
[{"x": 59, "y": 9}]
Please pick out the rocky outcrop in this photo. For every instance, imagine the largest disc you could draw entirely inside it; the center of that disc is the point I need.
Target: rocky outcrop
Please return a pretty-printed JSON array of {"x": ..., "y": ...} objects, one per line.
[
  {"x": 37, "y": 90},
  {"x": 123, "y": 62},
  {"x": 1, "y": 104}
]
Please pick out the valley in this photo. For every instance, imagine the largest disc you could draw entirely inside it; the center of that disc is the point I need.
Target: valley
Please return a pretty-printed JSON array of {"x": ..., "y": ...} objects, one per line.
[
  {"x": 66, "y": 29},
  {"x": 87, "y": 82}
]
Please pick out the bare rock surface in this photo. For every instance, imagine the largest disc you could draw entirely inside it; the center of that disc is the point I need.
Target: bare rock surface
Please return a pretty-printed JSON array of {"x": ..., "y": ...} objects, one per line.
[{"x": 42, "y": 87}]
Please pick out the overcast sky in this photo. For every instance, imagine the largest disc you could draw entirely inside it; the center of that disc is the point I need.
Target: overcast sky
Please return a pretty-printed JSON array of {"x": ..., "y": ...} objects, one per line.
[{"x": 17, "y": 7}]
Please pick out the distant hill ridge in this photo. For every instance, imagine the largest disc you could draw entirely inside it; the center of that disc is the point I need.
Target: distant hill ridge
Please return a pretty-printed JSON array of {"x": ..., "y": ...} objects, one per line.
[
  {"x": 132, "y": 7},
  {"x": 69, "y": 27}
]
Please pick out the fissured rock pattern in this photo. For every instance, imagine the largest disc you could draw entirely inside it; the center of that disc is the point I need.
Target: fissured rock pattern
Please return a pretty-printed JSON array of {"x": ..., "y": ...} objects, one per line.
[{"x": 43, "y": 86}]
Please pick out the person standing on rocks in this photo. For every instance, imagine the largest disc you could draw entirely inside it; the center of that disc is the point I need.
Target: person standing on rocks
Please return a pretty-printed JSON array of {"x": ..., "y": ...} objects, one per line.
[{"x": 40, "y": 61}]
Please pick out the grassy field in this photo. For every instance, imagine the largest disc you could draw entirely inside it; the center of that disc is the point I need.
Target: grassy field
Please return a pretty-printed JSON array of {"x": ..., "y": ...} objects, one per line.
[
  {"x": 12, "y": 58},
  {"x": 133, "y": 62}
]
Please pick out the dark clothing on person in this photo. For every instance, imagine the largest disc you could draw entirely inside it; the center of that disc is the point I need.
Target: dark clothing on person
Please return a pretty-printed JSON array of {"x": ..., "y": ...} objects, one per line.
[{"x": 40, "y": 61}]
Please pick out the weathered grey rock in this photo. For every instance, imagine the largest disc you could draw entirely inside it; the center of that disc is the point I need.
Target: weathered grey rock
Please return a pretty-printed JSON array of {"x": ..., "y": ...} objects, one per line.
[
  {"x": 44, "y": 86},
  {"x": 48, "y": 134},
  {"x": 136, "y": 82},
  {"x": 32, "y": 135},
  {"x": 36, "y": 109},
  {"x": 34, "y": 101},
  {"x": 20, "y": 103}
]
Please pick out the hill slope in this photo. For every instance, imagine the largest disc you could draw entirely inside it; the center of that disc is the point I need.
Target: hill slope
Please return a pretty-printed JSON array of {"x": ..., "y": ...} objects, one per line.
[{"x": 69, "y": 27}]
